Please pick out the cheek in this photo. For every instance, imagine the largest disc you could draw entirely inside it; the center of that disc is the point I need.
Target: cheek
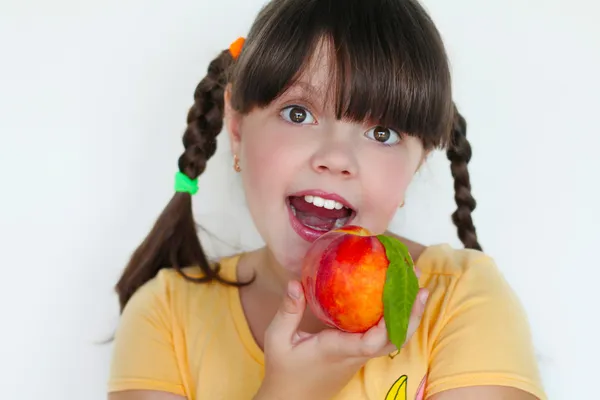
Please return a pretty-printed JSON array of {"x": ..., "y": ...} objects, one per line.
[
  {"x": 385, "y": 182},
  {"x": 263, "y": 148},
  {"x": 386, "y": 192}
]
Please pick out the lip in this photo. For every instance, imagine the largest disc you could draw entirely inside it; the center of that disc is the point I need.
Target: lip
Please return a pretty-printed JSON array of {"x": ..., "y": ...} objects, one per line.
[
  {"x": 306, "y": 233},
  {"x": 325, "y": 195}
]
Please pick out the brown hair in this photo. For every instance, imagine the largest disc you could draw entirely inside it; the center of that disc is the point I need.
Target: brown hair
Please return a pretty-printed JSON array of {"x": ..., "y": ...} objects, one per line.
[{"x": 390, "y": 67}]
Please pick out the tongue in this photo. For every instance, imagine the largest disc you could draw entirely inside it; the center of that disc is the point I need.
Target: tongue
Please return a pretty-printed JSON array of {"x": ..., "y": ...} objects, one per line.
[{"x": 317, "y": 217}]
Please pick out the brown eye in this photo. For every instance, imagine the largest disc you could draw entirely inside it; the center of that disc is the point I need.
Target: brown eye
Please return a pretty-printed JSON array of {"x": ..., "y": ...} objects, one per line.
[
  {"x": 383, "y": 135},
  {"x": 297, "y": 115}
]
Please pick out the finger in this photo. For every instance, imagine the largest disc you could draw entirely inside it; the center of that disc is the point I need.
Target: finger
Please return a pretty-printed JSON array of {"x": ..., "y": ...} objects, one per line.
[
  {"x": 417, "y": 272},
  {"x": 344, "y": 345},
  {"x": 375, "y": 340},
  {"x": 285, "y": 323},
  {"x": 300, "y": 336}
]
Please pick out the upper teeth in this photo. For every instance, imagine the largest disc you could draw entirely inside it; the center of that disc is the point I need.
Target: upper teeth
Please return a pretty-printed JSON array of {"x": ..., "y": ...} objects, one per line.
[{"x": 321, "y": 202}]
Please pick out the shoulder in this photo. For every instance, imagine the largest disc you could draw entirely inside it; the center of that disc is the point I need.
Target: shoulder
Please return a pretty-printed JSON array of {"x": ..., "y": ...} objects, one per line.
[
  {"x": 477, "y": 329},
  {"x": 174, "y": 291},
  {"x": 468, "y": 289},
  {"x": 461, "y": 269},
  {"x": 462, "y": 281},
  {"x": 443, "y": 259},
  {"x": 170, "y": 278}
]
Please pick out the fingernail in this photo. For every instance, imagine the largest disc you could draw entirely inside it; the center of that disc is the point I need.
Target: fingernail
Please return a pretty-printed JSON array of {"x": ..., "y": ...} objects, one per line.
[
  {"x": 423, "y": 296},
  {"x": 293, "y": 291}
]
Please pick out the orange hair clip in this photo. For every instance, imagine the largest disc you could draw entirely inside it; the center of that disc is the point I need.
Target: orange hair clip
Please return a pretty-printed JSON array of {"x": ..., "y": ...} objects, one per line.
[{"x": 236, "y": 47}]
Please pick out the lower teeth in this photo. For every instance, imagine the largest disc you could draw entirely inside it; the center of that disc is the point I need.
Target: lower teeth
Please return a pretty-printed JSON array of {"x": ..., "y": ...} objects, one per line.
[
  {"x": 339, "y": 223},
  {"x": 317, "y": 229}
]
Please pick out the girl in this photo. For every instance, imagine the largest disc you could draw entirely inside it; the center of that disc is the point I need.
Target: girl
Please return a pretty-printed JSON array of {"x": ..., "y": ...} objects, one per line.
[{"x": 331, "y": 107}]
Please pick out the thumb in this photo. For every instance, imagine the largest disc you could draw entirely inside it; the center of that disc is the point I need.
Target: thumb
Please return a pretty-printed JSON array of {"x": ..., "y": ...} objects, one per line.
[{"x": 285, "y": 323}]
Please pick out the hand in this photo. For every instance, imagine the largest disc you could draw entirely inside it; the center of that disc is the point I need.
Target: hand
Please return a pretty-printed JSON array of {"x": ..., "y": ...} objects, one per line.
[{"x": 300, "y": 365}]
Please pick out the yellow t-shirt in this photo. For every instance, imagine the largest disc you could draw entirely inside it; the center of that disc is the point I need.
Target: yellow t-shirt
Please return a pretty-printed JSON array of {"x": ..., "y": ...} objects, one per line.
[{"x": 193, "y": 339}]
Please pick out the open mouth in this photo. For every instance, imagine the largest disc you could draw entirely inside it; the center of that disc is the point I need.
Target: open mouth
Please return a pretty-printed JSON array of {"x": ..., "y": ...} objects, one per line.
[{"x": 312, "y": 215}]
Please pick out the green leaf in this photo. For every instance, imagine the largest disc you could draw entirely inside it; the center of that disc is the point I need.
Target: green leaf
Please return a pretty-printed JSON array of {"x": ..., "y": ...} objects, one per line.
[{"x": 400, "y": 289}]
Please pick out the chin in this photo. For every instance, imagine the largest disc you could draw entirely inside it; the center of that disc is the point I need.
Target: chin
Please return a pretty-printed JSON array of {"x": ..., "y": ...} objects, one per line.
[{"x": 290, "y": 254}]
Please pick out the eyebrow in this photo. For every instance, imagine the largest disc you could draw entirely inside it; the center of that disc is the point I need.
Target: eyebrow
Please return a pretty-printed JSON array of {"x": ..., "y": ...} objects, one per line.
[
  {"x": 307, "y": 92},
  {"x": 308, "y": 88}
]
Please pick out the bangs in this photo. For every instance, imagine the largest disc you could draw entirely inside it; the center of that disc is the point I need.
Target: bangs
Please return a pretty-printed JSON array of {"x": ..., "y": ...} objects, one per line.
[{"x": 387, "y": 62}]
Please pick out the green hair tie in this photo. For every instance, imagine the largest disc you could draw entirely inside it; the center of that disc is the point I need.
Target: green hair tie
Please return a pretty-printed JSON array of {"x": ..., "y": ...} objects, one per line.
[{"x": 184, "y": 184}]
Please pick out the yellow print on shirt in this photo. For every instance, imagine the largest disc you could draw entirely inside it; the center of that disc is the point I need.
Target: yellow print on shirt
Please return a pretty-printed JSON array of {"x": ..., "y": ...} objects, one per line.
[{"x": 399, "y": 390}]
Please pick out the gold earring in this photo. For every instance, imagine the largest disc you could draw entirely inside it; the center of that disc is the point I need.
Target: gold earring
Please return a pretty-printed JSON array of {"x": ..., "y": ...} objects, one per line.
[{"x": 236, "y": 163}]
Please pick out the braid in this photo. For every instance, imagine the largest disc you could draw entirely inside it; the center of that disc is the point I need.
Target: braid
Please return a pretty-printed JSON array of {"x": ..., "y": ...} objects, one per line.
[
  {"x": 173, "y": 241},
  {"x": 459, "y": 153},
  {"x": 205, "y": 118}
]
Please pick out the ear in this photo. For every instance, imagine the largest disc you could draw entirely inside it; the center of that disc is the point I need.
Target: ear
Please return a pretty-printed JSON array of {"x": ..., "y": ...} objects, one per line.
[{"x": 232, "y": 122}]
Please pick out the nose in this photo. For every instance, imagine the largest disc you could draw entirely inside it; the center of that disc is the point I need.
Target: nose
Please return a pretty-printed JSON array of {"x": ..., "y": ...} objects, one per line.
[{"x": 335, "y": 158}]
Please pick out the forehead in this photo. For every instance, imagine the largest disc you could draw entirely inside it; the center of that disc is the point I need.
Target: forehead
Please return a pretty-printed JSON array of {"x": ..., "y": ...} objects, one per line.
[
  {"x": 320, "y": 65},
  {"x": 316, "y": 79}
]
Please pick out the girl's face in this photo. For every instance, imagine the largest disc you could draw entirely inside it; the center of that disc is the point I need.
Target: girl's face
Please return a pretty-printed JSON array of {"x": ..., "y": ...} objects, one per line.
[{"x": 304, "y": 172}]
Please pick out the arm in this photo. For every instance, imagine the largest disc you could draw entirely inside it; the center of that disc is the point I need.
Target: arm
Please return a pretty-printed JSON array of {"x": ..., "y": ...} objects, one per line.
[
  {"x": 483, "y": 392},
  {"x": 143, "y": 395}
]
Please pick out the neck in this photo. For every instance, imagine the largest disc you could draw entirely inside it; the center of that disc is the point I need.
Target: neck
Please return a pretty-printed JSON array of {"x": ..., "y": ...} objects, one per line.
[{"x": 275, "y": 276}]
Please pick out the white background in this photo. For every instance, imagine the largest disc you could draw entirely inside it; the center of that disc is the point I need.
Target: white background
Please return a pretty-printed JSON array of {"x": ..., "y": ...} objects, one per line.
[{"x": 93, "y": 99}]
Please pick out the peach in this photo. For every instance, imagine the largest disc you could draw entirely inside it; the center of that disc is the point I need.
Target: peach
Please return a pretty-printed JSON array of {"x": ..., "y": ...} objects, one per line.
[{"x": 348, "y": 283}]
